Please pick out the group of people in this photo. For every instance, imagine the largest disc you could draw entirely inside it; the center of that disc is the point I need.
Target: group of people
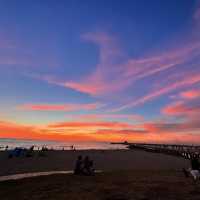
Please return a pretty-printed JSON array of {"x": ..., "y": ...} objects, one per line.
[
  {"x": 19, "y": 151},
  {"x": 24, "y": 152},
  {"x": 84, "y": 166}
]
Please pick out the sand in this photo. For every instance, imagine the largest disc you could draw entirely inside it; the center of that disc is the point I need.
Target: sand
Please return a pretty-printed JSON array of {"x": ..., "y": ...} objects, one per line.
[
  {"x": 106, "y": 160},
  {"x": 127, "y": 175},
  {"x": 118, "y": 185}
]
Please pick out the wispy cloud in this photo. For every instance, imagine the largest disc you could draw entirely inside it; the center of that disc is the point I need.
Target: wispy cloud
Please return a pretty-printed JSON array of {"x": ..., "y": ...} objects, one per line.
[
  {"x": 102, "y": 124},
  {"x": 99, "y": 82},
  {"x": 186, "y": 81},
  {"x": 116, "y": 73},
  {"x": 173, "y": 128},
  {"x": 187, "y": 108},
  {"x": 112, "y": 75},
  {"x": 60, "y": 107}
]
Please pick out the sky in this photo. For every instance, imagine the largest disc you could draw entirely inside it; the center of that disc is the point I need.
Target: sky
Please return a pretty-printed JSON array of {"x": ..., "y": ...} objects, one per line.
[{"x": 100, "y": 71}]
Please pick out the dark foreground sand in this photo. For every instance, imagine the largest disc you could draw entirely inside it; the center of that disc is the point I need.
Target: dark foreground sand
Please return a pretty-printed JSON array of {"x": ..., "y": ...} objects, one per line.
[
  {"x": 128, "y": 175},
  {"x": 107, "y": 160},
  {"x": 121, "y": 185}
]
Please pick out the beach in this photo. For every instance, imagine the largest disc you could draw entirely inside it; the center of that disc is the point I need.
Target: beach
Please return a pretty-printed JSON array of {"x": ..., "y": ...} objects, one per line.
[
  {"x": 106, "y": 160},
  {"x": 126, "y": 175}
]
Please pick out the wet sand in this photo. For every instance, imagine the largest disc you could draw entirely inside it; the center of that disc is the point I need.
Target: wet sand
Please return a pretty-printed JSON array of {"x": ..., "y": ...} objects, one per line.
[{"x": 106, "y": 160}]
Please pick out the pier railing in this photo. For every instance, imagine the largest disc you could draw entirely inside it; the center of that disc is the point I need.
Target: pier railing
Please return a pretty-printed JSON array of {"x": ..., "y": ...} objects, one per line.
[{"x": 182, "y": 150}]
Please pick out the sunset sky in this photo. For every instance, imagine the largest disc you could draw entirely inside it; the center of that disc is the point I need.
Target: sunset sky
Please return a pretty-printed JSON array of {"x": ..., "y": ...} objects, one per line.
[{"x": 100, "y": 70}]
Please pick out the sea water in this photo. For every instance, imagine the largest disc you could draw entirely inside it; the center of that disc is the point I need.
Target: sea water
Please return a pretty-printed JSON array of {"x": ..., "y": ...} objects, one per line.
[{"x": 56, "y": 145}]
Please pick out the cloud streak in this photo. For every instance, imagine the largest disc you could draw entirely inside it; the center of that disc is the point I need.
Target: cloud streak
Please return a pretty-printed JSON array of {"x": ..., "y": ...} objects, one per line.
[
  {"x": 60, "y": 107},
  {"x": 186, "y": 81},
  {"x": 102, "y": 124}
]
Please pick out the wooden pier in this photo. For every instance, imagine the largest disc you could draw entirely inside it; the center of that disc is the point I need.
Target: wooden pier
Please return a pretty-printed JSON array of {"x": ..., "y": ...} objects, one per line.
[{"x": 182, "y": 150}]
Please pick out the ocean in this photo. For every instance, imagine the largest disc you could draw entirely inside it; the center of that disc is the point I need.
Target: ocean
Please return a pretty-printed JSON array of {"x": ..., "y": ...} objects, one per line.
[{"x": 56, "y": 145}]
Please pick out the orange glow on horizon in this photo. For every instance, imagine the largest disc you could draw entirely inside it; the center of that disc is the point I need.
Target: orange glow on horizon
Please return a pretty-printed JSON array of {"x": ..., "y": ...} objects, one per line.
[{"x": 150, "y": 133}]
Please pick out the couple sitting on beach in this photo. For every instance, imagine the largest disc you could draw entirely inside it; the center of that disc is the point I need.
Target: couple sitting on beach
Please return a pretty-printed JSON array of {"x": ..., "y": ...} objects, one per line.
[{"x": 84, "y": 167}]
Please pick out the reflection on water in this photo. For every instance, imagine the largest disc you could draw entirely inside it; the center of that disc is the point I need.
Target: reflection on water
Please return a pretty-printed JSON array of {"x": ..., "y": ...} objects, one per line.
[{"x": 12, "y": 143}]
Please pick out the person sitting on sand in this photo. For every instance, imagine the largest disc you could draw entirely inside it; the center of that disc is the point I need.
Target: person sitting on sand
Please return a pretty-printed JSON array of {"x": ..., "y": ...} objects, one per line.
[
  {"x": 195, "y": 163},
  {"x": 195, "y": 168},
  {"x": 88, "y": 167},
  {"x": 79, "y": 166}
]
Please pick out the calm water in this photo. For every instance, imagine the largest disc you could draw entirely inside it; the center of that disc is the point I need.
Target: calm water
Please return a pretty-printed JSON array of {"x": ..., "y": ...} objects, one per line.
[{"x": 12, "y": 143}]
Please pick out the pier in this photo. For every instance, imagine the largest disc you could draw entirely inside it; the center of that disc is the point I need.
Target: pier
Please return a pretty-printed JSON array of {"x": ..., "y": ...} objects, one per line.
[{"x": 182, "y": 150}]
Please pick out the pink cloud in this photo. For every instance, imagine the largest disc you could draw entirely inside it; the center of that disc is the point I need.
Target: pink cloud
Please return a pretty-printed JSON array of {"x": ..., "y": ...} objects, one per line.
[
  {"x": 115, "y": 73},
  {"x": 186, "y": 127},
  {"x": 188, "y": 111},
  {"x": 148, "y": 66},
  {"x": 88, "y": 88},
  {"x": 99, "y": 82},
  {"x": 190, "y": 94},
  {"x": 126, "y": 72},
  {"x": 60, "y": 107},
  {"x": 108, "y": 47},
  {"x": 111, "y": 76},
  {"x": 188, "y": 80},
  {"x": 81, "y": 124},
  {"x": 177, "y": 108}
]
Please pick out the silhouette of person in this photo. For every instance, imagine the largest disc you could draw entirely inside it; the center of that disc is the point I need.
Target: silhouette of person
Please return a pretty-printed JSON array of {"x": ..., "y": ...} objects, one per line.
[
  {"x": 195, "y": 163},
  {"x": 195, "y": 167},
  {"x": 88, "y": 166},
  {"x": 79, "y": 166}
]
